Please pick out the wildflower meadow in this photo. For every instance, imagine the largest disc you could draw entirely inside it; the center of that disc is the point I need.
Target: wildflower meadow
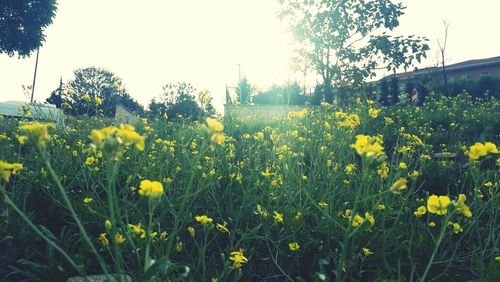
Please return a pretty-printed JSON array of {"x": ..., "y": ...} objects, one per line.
[{"x": 329, "y": 193}]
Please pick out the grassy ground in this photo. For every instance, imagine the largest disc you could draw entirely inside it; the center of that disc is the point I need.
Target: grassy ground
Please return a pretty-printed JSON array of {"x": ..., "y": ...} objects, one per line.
[{"x": 299, "y": 199}]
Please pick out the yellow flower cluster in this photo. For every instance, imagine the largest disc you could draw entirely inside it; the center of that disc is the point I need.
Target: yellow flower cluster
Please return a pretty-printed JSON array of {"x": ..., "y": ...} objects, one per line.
[
  {"x": 294, "y": 246},
  {"x": 297, "y": 114},
  {"x": 359, "y": 220},
  {"x": 238, "y": 258},
  {"x": 367, "y": 146},
  {"x": 347, "y": 120},
  {"x": 7, "y": 169},
  {"x": 203, "y": 219},
  {"x": 398, "y": 186},
  {"x": 374, "y": 112},
  {"x": 111, "y": 139},
  {"x": 480, "y": 150},
  {"x": 438, "y": 204},
  {"x": 215, "y": 129},
  {"x": 461, "y": 207},
  {"x": 36, "y": 133},
  {"x": 137, "y": 229},
  {"x": 151, "y": 189}
]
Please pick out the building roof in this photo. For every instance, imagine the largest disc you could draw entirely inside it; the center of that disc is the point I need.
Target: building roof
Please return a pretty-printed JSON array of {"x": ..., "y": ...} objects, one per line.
[{"x": 466, "y": 65}]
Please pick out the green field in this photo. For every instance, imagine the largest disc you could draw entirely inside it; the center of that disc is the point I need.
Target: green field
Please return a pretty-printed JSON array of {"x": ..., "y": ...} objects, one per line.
[{"x": 367, "y": 193}]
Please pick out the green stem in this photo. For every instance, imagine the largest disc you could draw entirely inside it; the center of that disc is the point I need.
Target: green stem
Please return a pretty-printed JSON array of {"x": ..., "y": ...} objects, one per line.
[
  {"x": 440, "y": 239},
  {"x": 147, "y": 259},
  {"x": 111, "y": 198},
  {"x": 69, "y": 206}
]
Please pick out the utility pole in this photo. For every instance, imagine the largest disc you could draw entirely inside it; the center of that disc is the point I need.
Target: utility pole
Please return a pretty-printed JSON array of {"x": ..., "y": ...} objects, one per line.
[{"x": 34, "y": 76}]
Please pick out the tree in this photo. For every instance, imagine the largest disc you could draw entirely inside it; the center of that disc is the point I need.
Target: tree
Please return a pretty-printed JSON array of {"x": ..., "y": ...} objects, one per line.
[
  {"x": 346, "y": 40},
  {"x": 395, "y": 90},
  {"x": 178, "y": 99},
  {"x": 442, "y": 49},
  {"x": 22, "y": 23},
  {"x": 384, "y": 92},
  {"x": 244, "y": 91},
  {"x": 94, "y": 91}
]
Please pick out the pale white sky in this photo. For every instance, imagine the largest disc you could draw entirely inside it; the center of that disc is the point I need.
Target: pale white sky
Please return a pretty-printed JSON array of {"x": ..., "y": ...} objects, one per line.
[{"x": 154, "y": 42}]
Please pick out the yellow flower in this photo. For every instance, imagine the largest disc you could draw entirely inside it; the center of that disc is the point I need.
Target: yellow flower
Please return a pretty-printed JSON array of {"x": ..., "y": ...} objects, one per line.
[
  {"x": 238, "y": 258},
  {"x": 8, "y": 169},
  {"x": 383, "y": 170},
  {"x": 86, "y": 98},
  {"x": 438, "y": 204},
  {"x": 111, "y": 139},
  {"x": 179, "y": 247},
  {"x": 402, "y": 165},
  {"x": 203, "y": 219},
  {"x": 323, "y": 204},
  {"x": 420, "y": 211},
  {"x": 398, "y": 186},
  {"x": 218, "y": 138},
  {"x": 367, "y": 146},
  {"x": 381, "y": 207},
  {"x": 191, "y": 231},
  {"x": 266, "y": 173},
  {"x": 107, "y": 224},
  {"x": 87, "y": 200},
  {"x": 258, "y": 136},
  {"x": 98, "y": 101},
  {"x": 278, "y": 217},
  {"x": 119, "y": 239},
  {"x": 151, "y": 189},
  {"x": 137, "y": 229},
  {"x": 480, "y": 150},
  {"x": 298, "y": 216},
  {"x": 89, "y": 161},
  {"x": 261, "y": 211},
  {"x": 374, "y": 112},
  {"x": 222, "y": 227},
  {"x": 488, "y": 184},
  {"x": 214, "y": 126},
  {"x": 367, "y": 252},
  {"x": 432, "y": 224},
  {"x": 357, "y": 220},
  {"x": 461, "y": 207},
  {"x": 163, "y": 235},
  {"x": 457, "y": 228},
  {"x": 37, "y": 133},
  {"x": 415, "y": 174},
  {"x": 370, "y": 218},
  {"x": 490, "y": 148},
  {"x": 294, "y": 246},
  {"x": 388, "y": 120},
  {"x": 350, "y": 168},
  {"x": 103, "y": 239}
]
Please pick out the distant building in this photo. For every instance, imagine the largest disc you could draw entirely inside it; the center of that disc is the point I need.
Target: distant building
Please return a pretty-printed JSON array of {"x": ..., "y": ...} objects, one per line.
[
  {"x": 19, "y": 109},
  {"x": 468, "y": 70},
  {"x": 124, "y": 115}
]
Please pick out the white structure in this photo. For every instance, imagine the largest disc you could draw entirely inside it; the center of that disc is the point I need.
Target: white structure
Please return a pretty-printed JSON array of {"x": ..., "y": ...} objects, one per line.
[{"x": 31, "y": 111}]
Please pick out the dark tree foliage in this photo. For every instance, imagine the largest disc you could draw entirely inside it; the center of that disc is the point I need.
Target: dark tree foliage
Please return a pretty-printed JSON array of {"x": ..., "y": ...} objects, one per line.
[
  {"x": 93, "y": 91},
  {"x": 288, "y": 94},
  {"x": 244, "y": 91},
  {"x": 395, "y": 90},
  {"x": 22, "y": 23},
  {"x": 178, "y": 100},
  {"x": 318, "y": 96},
  {"x": 346, "y": 41},
  {"x": 384, "y": 92}
]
